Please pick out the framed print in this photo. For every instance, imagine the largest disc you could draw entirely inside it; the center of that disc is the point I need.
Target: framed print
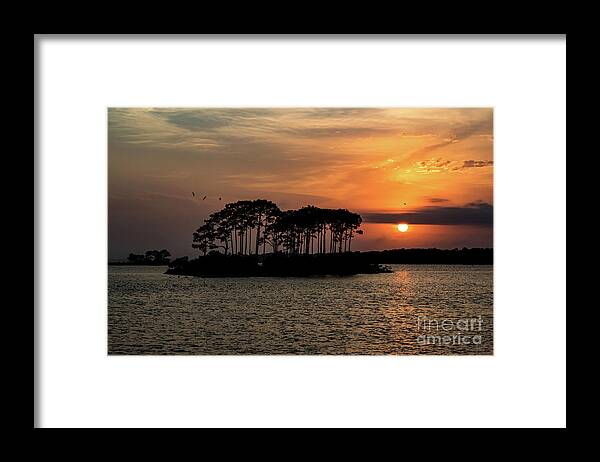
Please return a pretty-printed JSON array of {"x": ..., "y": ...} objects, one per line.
[
  {"x": 299, "y": 231},
  {"x": 341, "y": 231}
]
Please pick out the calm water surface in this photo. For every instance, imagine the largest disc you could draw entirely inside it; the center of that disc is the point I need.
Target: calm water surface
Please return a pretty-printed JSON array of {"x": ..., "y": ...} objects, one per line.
[{"x": 418, "y": 309}]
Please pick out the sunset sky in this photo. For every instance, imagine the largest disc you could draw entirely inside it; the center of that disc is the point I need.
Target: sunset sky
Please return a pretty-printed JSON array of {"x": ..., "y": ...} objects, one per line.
[{"x": 439, "y": 162}]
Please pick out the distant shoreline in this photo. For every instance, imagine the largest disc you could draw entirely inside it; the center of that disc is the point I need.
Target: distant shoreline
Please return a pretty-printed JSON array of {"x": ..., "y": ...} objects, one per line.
[
  {"x": 126, "y": 263},
  {"x": 417, "y": 256}
]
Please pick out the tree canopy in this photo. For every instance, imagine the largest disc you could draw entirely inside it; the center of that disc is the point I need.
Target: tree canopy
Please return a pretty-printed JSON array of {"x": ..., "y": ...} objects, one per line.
[{"x": 248, "y": 227}]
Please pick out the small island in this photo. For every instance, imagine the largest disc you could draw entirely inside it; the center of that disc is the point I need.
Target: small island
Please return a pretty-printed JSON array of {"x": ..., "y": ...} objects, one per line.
[
  {"x": 275, "y": 265},
  {"x": 304, "y": 242}
]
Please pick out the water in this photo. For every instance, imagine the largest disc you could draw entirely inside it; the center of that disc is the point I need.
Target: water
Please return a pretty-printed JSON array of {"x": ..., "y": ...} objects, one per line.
[{"x": 418, "y": 309}]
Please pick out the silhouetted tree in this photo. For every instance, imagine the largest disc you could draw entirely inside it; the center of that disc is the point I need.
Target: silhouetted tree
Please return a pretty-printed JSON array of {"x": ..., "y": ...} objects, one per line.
[
  {"x": 238, "y": 228},
  {"x": 164, "y": 256},
  {"x": 243, "y": 226},
  {"x": 150, "y": 257},
  {"x": 137, "y": 259},
  {"x": 203, "y": 237}
]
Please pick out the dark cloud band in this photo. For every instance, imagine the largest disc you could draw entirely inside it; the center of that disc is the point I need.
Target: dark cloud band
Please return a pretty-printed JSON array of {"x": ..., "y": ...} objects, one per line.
[{"x": 475, "y": 213}]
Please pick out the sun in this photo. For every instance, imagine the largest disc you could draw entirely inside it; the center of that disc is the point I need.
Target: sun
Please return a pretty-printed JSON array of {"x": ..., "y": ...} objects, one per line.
[{"x": 402, "y": 227}]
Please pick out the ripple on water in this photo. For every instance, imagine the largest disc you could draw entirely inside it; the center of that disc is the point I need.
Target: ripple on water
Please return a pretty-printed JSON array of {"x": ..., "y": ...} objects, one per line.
[{"x": 153, "y": 313}]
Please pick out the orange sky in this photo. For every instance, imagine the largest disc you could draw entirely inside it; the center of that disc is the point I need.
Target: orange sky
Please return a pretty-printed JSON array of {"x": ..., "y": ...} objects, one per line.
[{"x": 439, "y": 162}]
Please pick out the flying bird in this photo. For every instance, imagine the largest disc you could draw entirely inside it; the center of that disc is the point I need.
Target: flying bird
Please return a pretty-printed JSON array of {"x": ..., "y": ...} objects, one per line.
[
  {"x": 193, "y": 195},
  {"x": 219, "y": 197},
  {"x": 204, "y": 198}
]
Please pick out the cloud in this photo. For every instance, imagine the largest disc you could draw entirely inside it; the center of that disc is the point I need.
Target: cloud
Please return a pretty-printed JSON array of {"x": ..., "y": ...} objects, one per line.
[
  {"x": 163, "y": 127},
  {"x": 340, "y": 112},
  {"x": 480, "y": 124},
  {"x": 433, "y": 165},
  {"x": 474, "y": 213},
  {"x": 436, "y": 200},
  {"x": 196, "y": 121},
  {"x": 461, "y": 125},
  {"x": 438, "y": 165},
  {"x": 476, "y": 164},
  {"x": 432, "y": 147}
]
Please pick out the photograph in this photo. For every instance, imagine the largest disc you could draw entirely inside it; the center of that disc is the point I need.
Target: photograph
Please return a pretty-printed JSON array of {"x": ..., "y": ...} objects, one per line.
[{"x": 300, "y": 231}]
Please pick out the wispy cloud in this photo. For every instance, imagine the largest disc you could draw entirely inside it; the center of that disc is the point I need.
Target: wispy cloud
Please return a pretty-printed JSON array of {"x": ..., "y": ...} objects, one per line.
[
  {"x": 213, "y": 127},
  {"x": 477, "y": 163},
  {"x": 438, "y": 165}
]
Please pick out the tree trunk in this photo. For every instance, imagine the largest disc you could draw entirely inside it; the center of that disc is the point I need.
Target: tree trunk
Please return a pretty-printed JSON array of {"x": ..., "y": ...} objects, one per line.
[{"x": 257, "y": 232}]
